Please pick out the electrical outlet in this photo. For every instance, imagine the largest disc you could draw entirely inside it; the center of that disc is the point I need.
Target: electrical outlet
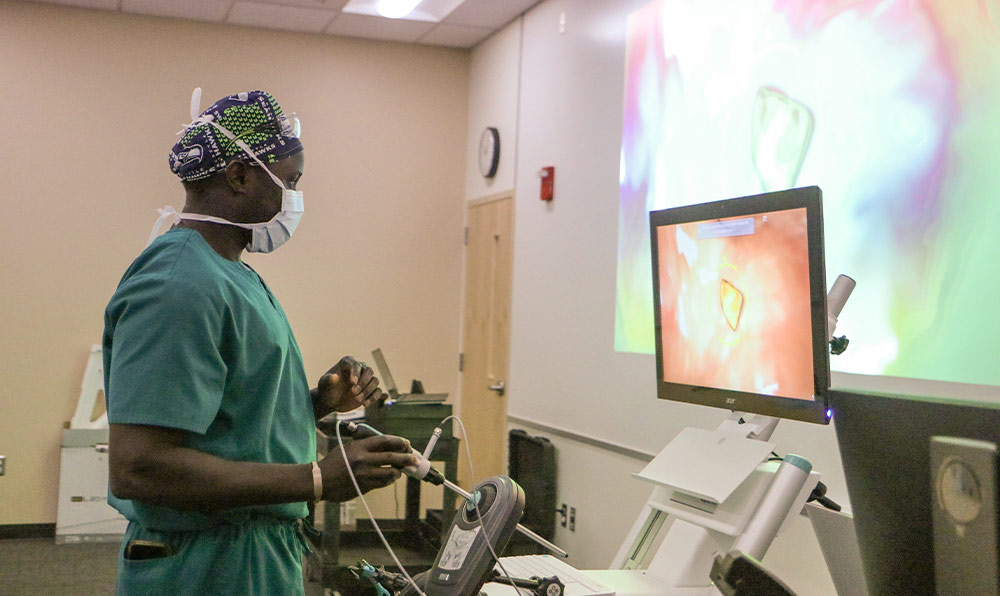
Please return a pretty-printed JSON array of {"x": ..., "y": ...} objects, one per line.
[
  {"x": 572, "y": 519},
  {"x": 562, "y": 514},
  {"x": 3, "y": 465}
]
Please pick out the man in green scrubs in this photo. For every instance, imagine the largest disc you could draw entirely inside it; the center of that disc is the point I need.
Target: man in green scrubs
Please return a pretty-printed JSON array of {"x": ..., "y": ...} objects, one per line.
[{"x": 212, "y": 440}]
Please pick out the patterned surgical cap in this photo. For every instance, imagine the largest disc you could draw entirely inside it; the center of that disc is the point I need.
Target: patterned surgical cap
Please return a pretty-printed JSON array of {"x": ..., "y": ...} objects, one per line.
[{"x": 252, "y": 116}]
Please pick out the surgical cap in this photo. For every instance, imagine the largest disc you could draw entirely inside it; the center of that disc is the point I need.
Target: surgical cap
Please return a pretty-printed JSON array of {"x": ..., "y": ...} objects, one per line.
[{"x": 252, "y": 116}]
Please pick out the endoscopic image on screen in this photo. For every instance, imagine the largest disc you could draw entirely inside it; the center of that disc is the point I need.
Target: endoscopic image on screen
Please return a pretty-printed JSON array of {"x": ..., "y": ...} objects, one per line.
[{"x": 735, "y": 304}]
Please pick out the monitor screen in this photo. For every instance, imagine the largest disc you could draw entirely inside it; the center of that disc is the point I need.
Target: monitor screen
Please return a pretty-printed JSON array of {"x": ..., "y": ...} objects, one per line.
[
  {"x": 740, "y": 304},
  {"x": 885, "y": 446}
]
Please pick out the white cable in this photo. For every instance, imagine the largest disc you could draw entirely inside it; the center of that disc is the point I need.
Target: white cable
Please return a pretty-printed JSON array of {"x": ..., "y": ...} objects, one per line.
[
  {"x": 475, "y": 502},
  {"x": 479, "y": 514},
  {"x": 371, "y": 516}
]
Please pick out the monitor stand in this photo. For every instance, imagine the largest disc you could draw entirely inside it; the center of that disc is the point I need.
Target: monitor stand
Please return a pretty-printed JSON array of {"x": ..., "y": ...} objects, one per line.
[{"x": 693, "y": 516}]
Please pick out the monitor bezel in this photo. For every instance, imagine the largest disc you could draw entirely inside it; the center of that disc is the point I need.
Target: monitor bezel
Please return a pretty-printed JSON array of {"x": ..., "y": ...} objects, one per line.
[{"x": 810, "y": 198}]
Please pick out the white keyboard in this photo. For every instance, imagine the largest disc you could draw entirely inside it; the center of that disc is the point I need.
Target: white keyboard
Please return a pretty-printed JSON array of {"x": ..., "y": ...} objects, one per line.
[{"x": 577, "y": 583}]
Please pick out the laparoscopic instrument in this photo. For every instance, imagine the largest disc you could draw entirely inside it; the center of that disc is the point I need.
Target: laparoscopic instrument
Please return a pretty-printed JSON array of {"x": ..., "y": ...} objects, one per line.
[{"x": 426, "y": 472}]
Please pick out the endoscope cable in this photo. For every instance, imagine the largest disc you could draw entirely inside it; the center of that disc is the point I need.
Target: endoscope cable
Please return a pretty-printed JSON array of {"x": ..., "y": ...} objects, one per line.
[
  {"x": 371, "y": 516},
  {"x": 475, "y": 502}
]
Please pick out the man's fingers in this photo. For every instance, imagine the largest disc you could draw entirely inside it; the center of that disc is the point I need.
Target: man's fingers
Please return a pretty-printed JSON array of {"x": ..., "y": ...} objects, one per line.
[
  {"x": 362, "y": 383},
  {"x": 379, "y": 477},
  {"x": 387, "y": 443},
  {"x": 369, "y": 387},
  {"x": 392, "y": 459},
  {"x": 373, "y": 397},
  {"x": 385, "y": 450},
  {"x": 361, "y": 378},
  {"x": 357, "y": 370},
  {"x": 375, "y": 462}
]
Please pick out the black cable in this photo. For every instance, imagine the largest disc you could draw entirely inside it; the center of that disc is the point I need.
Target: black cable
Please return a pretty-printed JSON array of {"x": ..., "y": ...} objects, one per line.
[{"x": 818, "y": 494}]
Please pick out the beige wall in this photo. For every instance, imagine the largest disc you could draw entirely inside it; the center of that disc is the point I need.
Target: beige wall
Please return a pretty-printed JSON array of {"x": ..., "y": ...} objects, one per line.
[{"x": 89, "y": 104}]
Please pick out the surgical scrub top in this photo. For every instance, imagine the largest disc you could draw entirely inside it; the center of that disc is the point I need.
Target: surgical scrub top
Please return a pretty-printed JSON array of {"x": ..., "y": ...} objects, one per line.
[{"x": 197, "y": 342}]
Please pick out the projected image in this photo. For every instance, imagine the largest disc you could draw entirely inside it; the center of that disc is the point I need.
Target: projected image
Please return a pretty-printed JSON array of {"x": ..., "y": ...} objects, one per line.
[
  {"x": 892, "y": 107},
  {"x": 734, "y": 304}
]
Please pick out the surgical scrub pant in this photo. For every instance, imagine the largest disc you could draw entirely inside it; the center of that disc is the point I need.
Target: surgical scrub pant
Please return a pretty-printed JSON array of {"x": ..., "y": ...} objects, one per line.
[{"x": 262, "y": 556}]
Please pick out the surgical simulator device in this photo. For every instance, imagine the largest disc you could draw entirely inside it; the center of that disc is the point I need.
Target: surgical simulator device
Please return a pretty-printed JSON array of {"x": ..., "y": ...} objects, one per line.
[
  {"x": 478, "y": 532},
  {"x": 721, "y": 272}
]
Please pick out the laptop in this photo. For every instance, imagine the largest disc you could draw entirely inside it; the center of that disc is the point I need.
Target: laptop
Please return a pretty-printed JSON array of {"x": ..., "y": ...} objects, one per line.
[{"x": 389, "y": 386}]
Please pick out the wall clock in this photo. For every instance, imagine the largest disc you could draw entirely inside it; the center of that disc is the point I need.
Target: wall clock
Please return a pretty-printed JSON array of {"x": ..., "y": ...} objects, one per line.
[{"x": 489, "y": 152}]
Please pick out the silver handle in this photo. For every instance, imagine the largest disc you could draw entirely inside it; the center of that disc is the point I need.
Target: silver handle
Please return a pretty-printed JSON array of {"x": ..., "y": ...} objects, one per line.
[{"x": 498, "y": 387}]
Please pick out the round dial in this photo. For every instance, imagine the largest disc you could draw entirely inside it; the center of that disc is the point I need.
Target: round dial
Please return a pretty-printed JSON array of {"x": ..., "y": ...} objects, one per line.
[
  {"x": 959, "y": 491},
  {"x": 489, "y": 152}
]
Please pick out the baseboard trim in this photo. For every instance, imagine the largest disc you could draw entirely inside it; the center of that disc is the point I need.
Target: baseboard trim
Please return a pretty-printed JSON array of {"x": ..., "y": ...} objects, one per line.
[{"x": 27, "y": 531}]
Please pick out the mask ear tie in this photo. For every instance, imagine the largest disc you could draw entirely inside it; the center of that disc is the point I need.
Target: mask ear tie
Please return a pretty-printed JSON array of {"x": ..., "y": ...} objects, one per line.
[
  {"x": 195, "y": 103},
  {"x": 205, "y": 119},
  {"x": 165, "y": 214}
]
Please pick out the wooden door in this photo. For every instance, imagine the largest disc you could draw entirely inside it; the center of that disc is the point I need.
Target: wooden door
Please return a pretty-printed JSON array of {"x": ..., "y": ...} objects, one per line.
[{"x": 486, "y": 336}]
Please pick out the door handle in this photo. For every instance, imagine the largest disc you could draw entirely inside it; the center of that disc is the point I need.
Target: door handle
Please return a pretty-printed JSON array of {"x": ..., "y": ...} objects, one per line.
[{"x": 498, "y": 387}]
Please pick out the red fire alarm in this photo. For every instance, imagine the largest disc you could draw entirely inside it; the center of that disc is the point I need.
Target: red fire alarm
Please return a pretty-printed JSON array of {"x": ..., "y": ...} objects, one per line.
[{"x": 548, "y": 175}]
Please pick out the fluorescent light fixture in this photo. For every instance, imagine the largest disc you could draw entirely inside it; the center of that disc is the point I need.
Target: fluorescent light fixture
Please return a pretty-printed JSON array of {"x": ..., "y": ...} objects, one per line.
[
  {"x": 427, "y": 11},
  {"x": 395, "y": 9}
]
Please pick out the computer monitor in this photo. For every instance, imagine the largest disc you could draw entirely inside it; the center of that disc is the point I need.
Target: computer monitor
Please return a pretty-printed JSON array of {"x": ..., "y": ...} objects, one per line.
[
  {"x": 740, "y": 304},
  {"x": 885, "y": 448}
]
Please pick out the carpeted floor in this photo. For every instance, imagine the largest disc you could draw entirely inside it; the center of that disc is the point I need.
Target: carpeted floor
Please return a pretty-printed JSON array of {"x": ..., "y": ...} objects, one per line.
[{"x": 40, "y": 567}]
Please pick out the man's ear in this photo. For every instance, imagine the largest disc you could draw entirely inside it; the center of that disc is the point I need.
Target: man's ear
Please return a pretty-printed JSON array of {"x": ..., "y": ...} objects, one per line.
[{"x": 238, "y": 176}]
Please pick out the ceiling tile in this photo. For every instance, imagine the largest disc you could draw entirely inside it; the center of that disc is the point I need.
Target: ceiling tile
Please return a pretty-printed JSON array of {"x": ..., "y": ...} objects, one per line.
[
  {"x": 275, "y": 16},
  {"x": 199, "y": 10},
  {"x": 465, "y": 22},
  {"x": 356, "y": 25},
  {"x": 334, "y": 5},
  {"x": 488, "y": 13},
  {"x": 103, "y": 4},
  {"x": 456, "y": 36}
]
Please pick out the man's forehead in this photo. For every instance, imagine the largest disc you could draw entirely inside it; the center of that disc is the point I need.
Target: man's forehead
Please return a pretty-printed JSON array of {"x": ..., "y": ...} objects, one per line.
[{"x": 293, "y": 162}]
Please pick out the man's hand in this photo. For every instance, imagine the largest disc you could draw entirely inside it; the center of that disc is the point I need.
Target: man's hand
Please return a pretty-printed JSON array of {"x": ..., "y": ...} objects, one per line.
[
  {"x": 346, "y": 386},
  {"x": 375, "y": 461}
]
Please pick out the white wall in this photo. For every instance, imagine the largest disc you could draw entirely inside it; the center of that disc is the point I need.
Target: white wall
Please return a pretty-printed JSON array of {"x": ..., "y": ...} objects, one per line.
[
  {"x": 562, "y": 356},
  {"x": 494, "y": 72}
]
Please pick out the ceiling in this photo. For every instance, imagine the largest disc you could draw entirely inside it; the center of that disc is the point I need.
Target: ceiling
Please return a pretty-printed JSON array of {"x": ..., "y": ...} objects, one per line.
[{"x": 469, "y": 23}]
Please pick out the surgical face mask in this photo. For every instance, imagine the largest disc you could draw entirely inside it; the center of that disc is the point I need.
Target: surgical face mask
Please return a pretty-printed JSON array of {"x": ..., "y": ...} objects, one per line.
[
  {"x": 266, "y": 236},
  {"x": 271, "y": 234}
]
